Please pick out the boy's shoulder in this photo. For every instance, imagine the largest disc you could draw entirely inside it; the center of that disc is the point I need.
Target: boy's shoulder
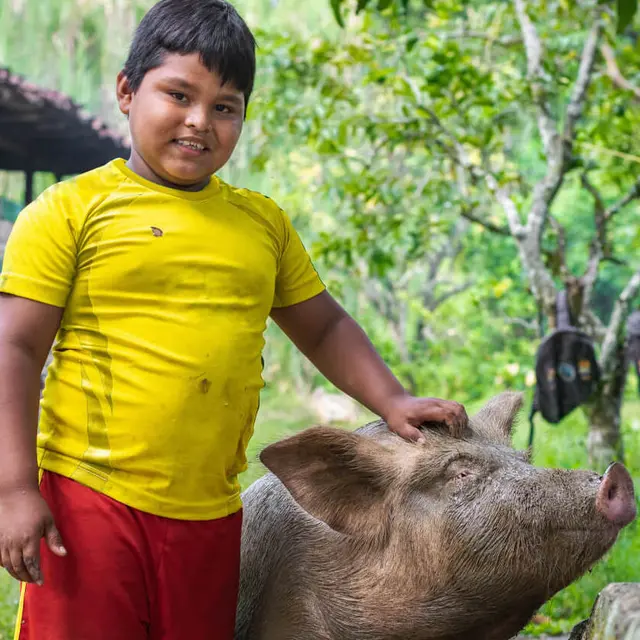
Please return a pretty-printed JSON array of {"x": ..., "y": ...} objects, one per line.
[
  {"x": 82, "y": 189},
  {"x": 252, "y": 201}
]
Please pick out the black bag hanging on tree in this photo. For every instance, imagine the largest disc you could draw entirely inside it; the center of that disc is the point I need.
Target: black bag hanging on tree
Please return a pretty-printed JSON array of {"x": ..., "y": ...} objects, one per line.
[
  {"x": 567, "y": 370},
  {"x": 633, "y": 342}
]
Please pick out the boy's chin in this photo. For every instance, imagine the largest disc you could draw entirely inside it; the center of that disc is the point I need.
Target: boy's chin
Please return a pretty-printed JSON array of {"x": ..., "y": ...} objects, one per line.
[{"x": 187, "y": 180}]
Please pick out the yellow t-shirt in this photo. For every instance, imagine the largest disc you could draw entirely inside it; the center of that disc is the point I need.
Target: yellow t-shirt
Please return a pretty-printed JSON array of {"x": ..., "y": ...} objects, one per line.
[{"x": 156, "y": 375}]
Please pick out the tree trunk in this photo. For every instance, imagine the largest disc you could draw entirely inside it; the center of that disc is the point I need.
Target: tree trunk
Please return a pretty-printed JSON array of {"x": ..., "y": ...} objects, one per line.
[{"x": 604, "y": 443}]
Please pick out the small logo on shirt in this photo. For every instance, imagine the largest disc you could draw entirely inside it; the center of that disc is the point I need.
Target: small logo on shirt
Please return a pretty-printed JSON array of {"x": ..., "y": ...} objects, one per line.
[{"x": 157, "y": 232}]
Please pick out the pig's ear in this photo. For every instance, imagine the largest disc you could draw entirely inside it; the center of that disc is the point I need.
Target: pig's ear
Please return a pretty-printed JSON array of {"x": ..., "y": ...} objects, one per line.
[
  {"x": 496, "y": 419},
  {"x": 338, "y": 477}
]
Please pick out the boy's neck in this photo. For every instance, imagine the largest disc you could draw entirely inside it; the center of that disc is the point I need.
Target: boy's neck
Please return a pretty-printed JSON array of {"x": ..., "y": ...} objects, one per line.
[{"x": 140, "y": 167}]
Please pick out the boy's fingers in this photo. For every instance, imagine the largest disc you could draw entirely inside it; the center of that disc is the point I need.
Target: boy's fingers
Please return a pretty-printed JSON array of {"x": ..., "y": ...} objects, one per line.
[
  {"x": 32, "y": 561},
  {"x": 410, "y": 433},
  {"x": 463, "y": 418},
  {"x": 455, "y": 416},
  {"x": 54, "y": 540},
  {"x": 18, "y": 570},
  {"x": 436, "y": 412}
]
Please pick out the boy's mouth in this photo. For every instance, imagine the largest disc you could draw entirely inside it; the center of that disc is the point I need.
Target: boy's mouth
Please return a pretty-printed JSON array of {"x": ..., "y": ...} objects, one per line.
[{"x": 191, "y": 145}]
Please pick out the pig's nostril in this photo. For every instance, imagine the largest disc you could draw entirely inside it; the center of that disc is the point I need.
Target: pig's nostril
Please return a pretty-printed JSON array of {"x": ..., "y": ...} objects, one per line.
[{"x": 615, "y": 498}]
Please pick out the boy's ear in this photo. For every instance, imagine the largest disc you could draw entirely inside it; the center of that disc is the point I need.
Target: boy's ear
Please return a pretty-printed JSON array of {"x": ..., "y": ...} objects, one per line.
[{"x": 124, "y": 93}]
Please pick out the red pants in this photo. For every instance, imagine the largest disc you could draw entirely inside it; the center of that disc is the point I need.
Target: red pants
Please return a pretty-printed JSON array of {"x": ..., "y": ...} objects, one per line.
[{"x": 130, "y": 575}]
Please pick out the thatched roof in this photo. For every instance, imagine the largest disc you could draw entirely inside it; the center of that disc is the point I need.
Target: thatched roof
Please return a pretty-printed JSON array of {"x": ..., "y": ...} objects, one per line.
[{"x": 44, "y": 130}]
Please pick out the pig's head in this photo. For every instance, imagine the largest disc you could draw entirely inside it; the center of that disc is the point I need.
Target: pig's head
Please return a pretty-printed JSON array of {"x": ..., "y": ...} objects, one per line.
[{"x": 465, "y": 529}]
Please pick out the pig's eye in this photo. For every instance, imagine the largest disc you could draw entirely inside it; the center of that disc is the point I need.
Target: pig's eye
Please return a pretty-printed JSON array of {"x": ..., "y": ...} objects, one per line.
[{"x": 462, "y": 470}]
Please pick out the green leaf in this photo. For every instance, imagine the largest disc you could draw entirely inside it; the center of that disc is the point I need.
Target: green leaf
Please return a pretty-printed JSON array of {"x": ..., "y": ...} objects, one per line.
[
  {"x": 411, "y": 43},
  {"x": 362, "y": 4},
  {"x": 626, "y": 11},
  {"x": 336, "y": 5},
  {"x": 384, "y": 4}
]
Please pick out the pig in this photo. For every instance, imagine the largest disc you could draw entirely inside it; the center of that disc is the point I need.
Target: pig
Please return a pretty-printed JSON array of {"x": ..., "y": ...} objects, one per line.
[{"x": 363, "y": 535}]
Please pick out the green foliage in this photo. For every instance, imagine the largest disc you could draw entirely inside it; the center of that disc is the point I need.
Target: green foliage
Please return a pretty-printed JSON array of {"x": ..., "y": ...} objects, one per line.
[
  {"x": 383, "y": 198},
  {"x": 625, "y": 9}
]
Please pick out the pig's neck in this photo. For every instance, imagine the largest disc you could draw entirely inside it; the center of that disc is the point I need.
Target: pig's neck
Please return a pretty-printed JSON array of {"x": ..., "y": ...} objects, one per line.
[{"x": 363, "y": 596}]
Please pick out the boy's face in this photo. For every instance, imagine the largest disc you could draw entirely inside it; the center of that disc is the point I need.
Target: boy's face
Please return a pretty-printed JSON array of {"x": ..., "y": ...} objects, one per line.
[{"x": 184, "y": 123}]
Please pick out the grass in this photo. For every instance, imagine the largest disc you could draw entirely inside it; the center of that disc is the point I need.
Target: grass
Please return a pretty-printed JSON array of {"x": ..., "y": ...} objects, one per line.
[
  {"x": 556, "y": 446},
  {"x": 8, "y": 604}
]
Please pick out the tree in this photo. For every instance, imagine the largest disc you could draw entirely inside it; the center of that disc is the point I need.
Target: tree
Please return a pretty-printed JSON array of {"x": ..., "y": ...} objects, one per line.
[
  {"x": 475, "y": 100},
  {"x": 625, "y": 9},
  {"x": 384, "y": 229}
]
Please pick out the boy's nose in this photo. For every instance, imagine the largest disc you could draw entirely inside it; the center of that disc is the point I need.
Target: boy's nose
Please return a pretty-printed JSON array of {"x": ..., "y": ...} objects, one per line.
[{"x": 198, "y": 120}]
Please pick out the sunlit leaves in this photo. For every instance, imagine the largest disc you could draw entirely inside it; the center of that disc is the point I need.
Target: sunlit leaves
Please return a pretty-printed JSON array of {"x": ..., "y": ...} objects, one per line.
[{"x": 626, "y": 10}]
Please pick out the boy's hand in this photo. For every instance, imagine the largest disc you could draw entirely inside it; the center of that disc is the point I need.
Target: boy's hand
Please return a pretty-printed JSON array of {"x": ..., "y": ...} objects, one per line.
[
  {"x": 24, "y": 519},
  {"x": 406, "y": 413}
]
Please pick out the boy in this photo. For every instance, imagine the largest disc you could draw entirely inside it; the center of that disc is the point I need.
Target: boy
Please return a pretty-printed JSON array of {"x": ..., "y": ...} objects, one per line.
[{"x": 158, "y": 279}]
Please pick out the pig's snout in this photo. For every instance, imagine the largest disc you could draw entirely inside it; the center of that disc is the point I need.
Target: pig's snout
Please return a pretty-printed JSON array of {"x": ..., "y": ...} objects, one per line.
[{"x": 616, "y": 499}]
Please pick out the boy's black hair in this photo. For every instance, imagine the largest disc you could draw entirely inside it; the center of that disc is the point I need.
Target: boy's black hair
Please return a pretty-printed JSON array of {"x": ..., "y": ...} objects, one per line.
[{"x": 211, "y": 28}]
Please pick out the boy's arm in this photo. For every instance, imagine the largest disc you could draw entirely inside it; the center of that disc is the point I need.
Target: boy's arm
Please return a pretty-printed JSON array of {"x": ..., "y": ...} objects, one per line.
[
  {"x": 27, "y": 330},
  {"x": 341, "y": 351}
]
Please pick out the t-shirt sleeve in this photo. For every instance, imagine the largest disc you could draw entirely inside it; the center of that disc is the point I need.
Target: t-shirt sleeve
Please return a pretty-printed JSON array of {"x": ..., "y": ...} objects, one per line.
[
  {"x": 297, "y": 280},
  {"x": 39, "y": 261}
]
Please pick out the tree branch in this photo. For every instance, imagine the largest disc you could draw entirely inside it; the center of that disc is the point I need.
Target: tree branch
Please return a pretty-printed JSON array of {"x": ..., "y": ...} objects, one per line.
[
  {"x": 613, "y": 71},
  {"x": 579, "y": 94},
  {"x": 458, "y": 154},
  {"x": 597, "y": 197},
  {"x": 527, "y": 238},
  {"x": 450, "y": 249},
  {"x": 561, "y": 253},
  {"x": 559, "y": 151},
  {"x": 533, "y": 48},
  {"x": 599, "y": 241},
  {"x": 443, "y": 297},
  {"x": 616, "y": 261},
  {"x": 616, "y": 328},
  {"x": 590, "y": 323},
  {"x": 600, "y": 249},
  {"x": 632, "y": 194},
  {"x": 503, "y": 231},
  {"x": 504, "y": 41},
  {"x": 529, "y": 325},
  {"x": 559, "y": 159},
  {"x": 505, "y": 200},
  {"x": 590, "y": 275}
]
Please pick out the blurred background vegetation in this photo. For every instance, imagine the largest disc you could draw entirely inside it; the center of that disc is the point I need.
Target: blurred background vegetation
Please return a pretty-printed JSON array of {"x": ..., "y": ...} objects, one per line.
[{"x": 378, "y": 138}]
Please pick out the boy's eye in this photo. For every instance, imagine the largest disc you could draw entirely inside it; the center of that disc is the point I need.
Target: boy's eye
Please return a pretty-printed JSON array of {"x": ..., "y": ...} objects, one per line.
[
  {"x": 222, "y": 108},
  {"x": 180, "y": 97}
]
